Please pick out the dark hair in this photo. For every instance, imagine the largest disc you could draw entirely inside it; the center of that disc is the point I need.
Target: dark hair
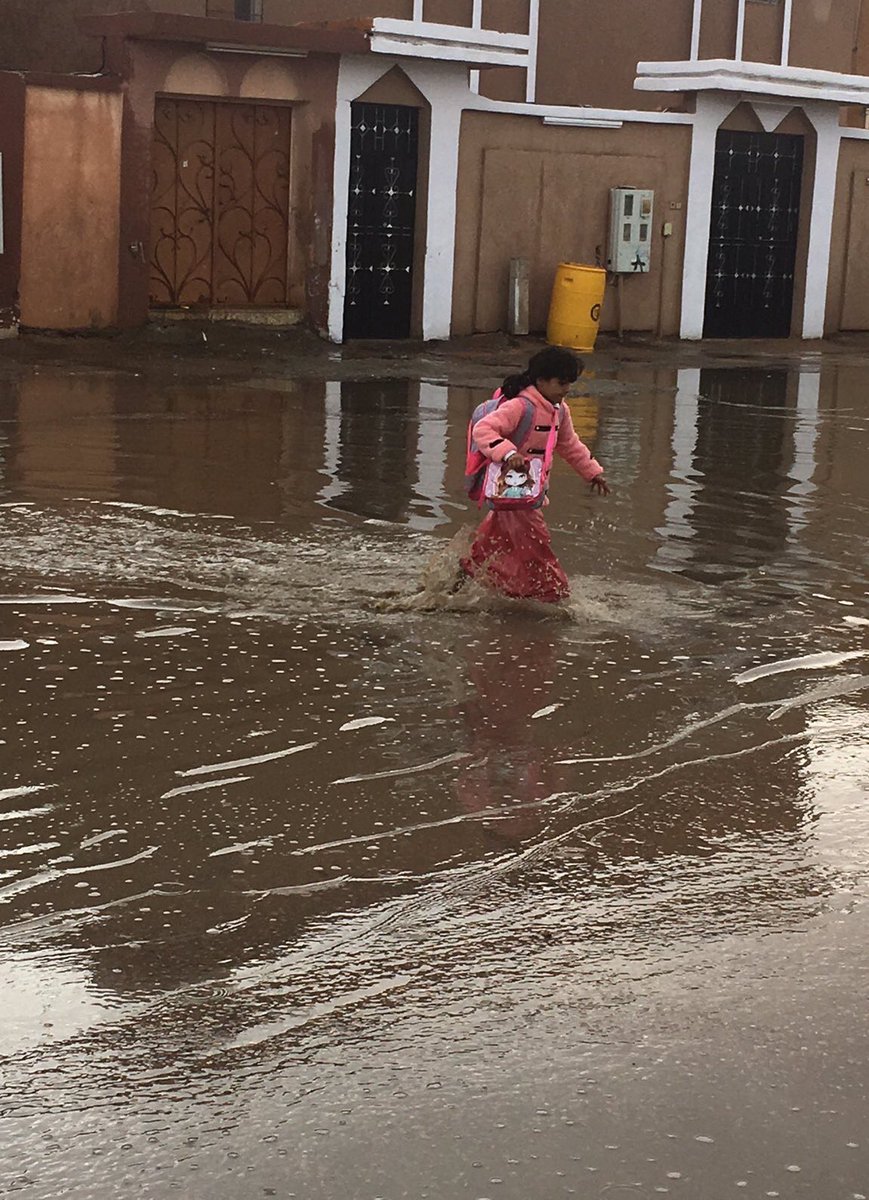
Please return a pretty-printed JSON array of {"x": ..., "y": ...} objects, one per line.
[
  {"x": 555, "y": 363},
  {"x": 551, "y": 363},
  {"x": 514, "y": 384}
]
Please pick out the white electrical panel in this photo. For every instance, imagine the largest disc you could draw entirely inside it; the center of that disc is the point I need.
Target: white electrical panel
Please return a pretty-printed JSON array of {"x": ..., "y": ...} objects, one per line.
[{"x": 630, "y": 242}]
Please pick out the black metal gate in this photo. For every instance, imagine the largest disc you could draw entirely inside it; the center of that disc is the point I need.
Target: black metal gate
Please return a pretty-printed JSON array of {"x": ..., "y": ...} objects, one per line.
[
  {"x": 753, "y": 242},
  {"x": 380, "y": 222}
]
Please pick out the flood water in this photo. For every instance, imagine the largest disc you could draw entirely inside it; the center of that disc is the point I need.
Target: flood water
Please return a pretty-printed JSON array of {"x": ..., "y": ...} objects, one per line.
[{"x": 317, "y": 881}]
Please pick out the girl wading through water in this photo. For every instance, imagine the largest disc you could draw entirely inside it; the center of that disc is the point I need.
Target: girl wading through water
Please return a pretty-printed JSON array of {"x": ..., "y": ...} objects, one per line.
[{"x": 512, "y": 551}]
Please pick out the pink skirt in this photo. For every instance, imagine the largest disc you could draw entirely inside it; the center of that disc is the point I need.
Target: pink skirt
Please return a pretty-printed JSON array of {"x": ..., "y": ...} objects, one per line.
[{"x": 512, "y": 553}]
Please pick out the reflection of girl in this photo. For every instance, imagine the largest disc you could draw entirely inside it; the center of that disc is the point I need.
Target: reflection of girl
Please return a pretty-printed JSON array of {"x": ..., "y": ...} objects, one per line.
[
  {"x": 498, "y": 712},
  {"x": 512, "y": 551}
]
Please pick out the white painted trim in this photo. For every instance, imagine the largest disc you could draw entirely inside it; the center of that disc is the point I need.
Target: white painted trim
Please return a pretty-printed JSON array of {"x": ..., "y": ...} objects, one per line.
[
  {"x": 429, "y": 31},
  {"x": 770, "y": 113},
  {"x": 711, "y": 111},
  {"x": 476, "y": 23},
  {"x": 534, "y": 50},
  {"x": 676, "y": 532},
  {"x": 394, "y": 46},
  {"x": 750, "y": 70},
  {"x": 446, "y": 89},
  {"x": 584, "y": 122},
  {"x": 806, "y": 432},
  {"x": 787, "y": 23},
  {"x": 852, "y": 131},
  {"x": 259, "y": 51},
  {"x": 446, "y": 93},
  {"x": 740, "y": 30},
  {"x": 567, "y": 113},
  {"x": 354, "y": 77},
  {"x": 431, "y": 452},
  {"x": 332, "y": 442},
  {"x": 826, "y": 122},
  {"x": 797, "y": 83},
  {"x": 696, "y": 26},
  {"x": 417, "y": 10}
]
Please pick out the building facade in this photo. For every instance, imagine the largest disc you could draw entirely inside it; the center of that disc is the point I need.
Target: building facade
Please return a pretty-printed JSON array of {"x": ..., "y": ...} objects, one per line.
[{"x": 374, "y": 165}]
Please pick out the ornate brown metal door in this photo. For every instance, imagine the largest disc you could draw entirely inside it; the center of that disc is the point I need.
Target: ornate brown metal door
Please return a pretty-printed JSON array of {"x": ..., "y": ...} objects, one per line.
[{"x": 220, "y": 204}]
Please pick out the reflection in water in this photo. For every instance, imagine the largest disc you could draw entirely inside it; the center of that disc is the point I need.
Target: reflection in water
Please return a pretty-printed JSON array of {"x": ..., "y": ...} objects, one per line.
[
  {"x": 512, "y": 766},
  {"x": 805, "y": 435},
  {"x": 742, "y": 457},
  {"x": 386, "y": 450},
  {"x": 376, "y": 438},
  {"x": 281, "y": 870},
  {"x": 733, "y": 448}
]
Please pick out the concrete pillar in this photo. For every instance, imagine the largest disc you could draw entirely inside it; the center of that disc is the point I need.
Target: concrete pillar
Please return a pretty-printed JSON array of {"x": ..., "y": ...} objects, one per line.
[{"x": 712, "y": 109}]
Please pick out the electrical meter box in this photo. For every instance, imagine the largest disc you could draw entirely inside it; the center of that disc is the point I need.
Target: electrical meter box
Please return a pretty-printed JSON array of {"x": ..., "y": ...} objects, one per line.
[{"x": 630, "y": 242}]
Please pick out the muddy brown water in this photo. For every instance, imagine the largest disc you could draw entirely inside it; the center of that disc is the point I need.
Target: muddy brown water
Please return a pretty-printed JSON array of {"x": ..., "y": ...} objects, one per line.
[{"x": 317, "y": 881}]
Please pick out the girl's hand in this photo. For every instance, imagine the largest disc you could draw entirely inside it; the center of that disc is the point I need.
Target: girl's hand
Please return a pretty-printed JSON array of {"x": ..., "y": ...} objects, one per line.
[{"x": 600, "y": 485}]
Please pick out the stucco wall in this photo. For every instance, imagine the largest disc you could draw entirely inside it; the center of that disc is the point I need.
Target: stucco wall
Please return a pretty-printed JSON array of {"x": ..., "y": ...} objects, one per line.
[
  {"x": 589, "y": 51},
  {"x": 291, "y": 12},
  {"x": 12, "y": 149},
  {"x": 848, "y": 290},
  {"x": 824, "y": 34},
  {"x": 526, "y": 191},
  {"x": 764, "y": 24},
  {"x": 43, "y": 35},
  {"x": 69, "y": 244}
]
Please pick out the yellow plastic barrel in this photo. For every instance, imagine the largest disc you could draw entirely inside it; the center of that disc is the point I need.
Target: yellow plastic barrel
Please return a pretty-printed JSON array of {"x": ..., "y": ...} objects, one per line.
[{"x": 577, "y": 298}]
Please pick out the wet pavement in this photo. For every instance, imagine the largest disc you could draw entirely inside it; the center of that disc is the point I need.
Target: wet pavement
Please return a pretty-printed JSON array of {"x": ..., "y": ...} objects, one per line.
[{"x": 318, "y": 881}]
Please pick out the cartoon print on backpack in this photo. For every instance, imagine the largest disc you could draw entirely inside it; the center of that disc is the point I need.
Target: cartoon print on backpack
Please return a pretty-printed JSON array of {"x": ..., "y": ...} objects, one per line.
[{"x": 515, "y": 484}]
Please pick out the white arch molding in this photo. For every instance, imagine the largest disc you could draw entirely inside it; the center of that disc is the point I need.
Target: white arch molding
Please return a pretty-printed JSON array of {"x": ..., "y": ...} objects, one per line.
[
  {"x": 445, "y": 87},
  {"x": 712, "y": 110}
]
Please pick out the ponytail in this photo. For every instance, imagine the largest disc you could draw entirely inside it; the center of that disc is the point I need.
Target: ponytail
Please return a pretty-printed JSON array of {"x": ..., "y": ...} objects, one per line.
[{"x": 513, "y": 385}]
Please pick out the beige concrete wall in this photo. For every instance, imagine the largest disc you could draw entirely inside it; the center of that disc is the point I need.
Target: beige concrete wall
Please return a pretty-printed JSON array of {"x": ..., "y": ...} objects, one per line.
[
  {"x": 543, "y": 194},
  {"x": 508, "y": 16},
  {"x": 763, "y": 32},
  {"x": 43, "y": 35},
  {"x": 589, "y": 51},
  {"x": 718, "y": 31},
  {"x": 848, "y": 289},
  {"x": 860, "y": 61},
  {"x": 824, "y": 34},
  {"x": 448, "y": 12},
  {"x": 291, "y": 12},
  {"x": 69, "y": 244}
]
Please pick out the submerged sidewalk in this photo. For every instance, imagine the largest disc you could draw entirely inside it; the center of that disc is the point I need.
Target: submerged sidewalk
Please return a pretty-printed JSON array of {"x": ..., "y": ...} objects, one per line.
[{"x": 203, "y": 351}]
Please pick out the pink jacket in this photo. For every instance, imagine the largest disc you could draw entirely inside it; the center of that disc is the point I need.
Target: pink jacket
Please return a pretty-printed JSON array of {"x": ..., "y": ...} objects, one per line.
[{"x": 492, "y": 434}]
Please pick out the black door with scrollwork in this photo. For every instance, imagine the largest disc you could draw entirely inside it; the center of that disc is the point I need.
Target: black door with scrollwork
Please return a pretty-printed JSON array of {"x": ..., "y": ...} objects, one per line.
[
  {"x": 384, "y": 151},
  {"x": 753, "y": 239}
]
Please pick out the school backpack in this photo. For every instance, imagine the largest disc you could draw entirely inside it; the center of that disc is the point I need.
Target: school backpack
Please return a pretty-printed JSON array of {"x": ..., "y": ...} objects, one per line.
[
  {"x": 477, "y": 463},
  {"x": 510, "y": 488}
]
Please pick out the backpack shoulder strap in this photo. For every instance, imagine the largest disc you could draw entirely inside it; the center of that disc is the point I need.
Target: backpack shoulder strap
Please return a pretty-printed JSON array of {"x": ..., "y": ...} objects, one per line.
[{"x": 523, "y": 429}]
